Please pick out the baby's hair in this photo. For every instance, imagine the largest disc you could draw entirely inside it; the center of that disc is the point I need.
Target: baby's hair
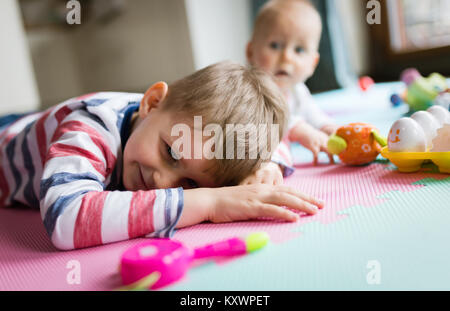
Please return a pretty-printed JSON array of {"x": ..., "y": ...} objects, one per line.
[
  {"x": 271, "y": 10},
  {"x": 230, "y": 93}
]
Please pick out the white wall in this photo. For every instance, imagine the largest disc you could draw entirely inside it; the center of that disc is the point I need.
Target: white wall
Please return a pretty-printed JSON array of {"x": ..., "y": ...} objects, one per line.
[
  {"x": 147, "y": 42},
  {"x": 55, "y": 64},
  {"x": 219, "y": 30},
  {"x": 18, "y": 91}
]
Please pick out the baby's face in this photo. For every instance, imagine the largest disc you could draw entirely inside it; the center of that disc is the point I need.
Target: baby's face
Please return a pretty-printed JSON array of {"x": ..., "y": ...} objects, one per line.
[
  {"x": 148, "y": 162},
  {"x": 287, "y": 49}
]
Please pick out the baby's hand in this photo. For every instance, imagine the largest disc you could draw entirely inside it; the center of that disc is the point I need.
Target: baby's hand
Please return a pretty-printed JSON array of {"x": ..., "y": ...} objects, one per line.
[
  {"x": 329, "y": 129},
  {"x": 312, "y": 139},
  {"x": 269, "y": 173},
  {"x": 244, "y": 202}
]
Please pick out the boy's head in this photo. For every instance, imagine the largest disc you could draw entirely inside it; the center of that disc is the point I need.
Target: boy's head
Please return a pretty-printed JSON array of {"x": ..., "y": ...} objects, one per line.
[
  {"x": 221, "y": 94},
  {"x": 285, "y": 41}
]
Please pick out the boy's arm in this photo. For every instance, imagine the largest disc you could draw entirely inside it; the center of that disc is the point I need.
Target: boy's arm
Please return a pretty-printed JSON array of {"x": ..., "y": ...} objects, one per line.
[
  {"x": 244, "y": 202},
  {"x": 77, "y": 211}
]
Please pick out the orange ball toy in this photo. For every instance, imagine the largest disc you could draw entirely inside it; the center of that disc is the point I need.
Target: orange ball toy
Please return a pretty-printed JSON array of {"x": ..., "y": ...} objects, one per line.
[{"x": 356, "y": 143}]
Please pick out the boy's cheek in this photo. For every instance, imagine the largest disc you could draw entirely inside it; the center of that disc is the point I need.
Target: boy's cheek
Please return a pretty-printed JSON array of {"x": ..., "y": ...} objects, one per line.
[
  {"x": 125, "y": 178},
  {"x": 302, "y": 74},
  {"x": 306, "y": 68},
  {"x": 264, "y": 61}
]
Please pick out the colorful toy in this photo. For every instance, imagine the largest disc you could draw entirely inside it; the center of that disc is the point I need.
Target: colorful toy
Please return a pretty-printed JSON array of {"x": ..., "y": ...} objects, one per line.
[
  {"x": 406, "y": 135},
  {"x": 424, "y": 136},
  {"x": 421, "y": 92},
  {"x": 408, "y": 76},
  {"x": 443, "y": 100},
  {"x": 440, "y": 114},
  {"x": 365, "y": 83},
  {"x": 160, "y": 262},
  {"x": 356, "y": 143},
  {"x": 396, "y": 100},
  {"x": 442, "y": 141}
]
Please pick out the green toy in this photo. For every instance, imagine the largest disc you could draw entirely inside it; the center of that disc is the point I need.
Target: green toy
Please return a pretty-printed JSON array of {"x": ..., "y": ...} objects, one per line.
[{"x": 421, "y": 91}]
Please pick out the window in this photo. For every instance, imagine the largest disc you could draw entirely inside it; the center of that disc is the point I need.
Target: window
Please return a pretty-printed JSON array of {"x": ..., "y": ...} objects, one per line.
[{"x": 418, "y": 25}]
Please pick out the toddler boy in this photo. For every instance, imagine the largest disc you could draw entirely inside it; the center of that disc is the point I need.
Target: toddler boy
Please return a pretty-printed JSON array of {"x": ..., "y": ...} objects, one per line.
[{"x": 103, "y": 167}]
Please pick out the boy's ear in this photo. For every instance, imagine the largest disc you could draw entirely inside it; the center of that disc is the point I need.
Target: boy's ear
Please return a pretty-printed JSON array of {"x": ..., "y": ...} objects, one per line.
[
  {"x": 153, "y": 97},
  {"x": 316, "y": 59},
  {"x": 249, "y": 52}
]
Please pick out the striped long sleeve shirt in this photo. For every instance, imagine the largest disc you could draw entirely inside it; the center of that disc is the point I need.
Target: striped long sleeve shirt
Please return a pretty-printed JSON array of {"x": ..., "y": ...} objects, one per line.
[{"x": 67, "y": 162}]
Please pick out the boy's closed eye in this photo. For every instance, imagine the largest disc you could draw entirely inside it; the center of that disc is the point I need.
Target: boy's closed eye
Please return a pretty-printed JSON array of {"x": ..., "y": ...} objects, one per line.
[
  {"x": 170, "y": 154},
  {"x": 173, "y": 158},
  {"x": 190, "y": 183}
]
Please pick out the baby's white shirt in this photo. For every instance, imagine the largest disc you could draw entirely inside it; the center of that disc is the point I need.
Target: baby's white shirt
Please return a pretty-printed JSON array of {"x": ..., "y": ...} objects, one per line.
[{"x": 302, "y": 108}]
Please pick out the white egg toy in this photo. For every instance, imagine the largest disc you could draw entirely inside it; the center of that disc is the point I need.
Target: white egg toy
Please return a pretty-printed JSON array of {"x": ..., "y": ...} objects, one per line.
[
  {"x": 429, "y": 125},
  {"x": 406, "y": 135},
  {"x": 441, "y": 143},
  {"x": 443, "y": 100},
  {"x": 442, "y": 115}
]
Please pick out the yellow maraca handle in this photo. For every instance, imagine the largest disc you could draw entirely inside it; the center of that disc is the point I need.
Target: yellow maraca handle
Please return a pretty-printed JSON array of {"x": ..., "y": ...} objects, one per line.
[{"x": 143, "y": 284}]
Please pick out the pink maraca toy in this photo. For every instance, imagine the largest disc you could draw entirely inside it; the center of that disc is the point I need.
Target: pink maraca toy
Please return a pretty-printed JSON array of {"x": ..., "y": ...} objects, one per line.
[{"x": 164, "y": 261}]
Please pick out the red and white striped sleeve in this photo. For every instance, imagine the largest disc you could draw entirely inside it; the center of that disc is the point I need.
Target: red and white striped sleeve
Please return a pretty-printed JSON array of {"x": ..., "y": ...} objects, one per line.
[{"x": 76, "y": 209}]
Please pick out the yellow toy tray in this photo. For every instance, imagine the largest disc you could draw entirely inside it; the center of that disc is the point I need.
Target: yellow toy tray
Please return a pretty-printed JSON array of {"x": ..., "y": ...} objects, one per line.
[{"x": 408, "y": 162}]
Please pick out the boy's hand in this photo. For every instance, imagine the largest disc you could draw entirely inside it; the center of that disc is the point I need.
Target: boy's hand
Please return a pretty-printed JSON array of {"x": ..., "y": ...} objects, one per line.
[
  {"x": 244, "y": 202},
  {"x": 269, "y": 173},
  {"x": 312, "y": 139}
]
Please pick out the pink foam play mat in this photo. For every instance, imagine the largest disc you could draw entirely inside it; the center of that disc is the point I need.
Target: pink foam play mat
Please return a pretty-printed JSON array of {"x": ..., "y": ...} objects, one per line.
[
  {"x": 28, "y": 261},
  {"x": 372, "y": 212}
]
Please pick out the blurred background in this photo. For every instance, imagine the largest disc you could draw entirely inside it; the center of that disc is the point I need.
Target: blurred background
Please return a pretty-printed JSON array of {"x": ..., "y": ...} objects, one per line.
[{"x": 126, "y": 45}]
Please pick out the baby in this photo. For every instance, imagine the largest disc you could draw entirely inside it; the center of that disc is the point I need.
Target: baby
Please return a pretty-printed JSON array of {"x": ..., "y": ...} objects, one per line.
[
  {"x": 285, "y": 43},
  {"x": 106, "y": 167}
]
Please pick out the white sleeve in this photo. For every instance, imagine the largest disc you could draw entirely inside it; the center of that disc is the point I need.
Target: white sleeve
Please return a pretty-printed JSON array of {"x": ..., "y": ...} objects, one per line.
[
  {"x": 293, "y": 105},
  {"x": 306, "y": 108}
]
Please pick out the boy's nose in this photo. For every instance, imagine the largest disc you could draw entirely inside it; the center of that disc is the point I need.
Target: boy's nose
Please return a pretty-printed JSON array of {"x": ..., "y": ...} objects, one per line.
[
  {"x": 286, "y": 55},
  {"x": 166, "y": 179}
]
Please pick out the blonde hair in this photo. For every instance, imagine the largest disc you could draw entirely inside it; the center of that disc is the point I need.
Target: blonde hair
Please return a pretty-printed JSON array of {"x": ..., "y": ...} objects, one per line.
[
  {"x": 230, "y": 93},
  {"x": 272, "y": 9}
]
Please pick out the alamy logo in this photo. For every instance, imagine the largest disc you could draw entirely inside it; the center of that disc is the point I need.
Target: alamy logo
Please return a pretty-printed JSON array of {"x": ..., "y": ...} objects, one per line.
[
  {"x": 374, "y": 15},
  {"x": 373, "y": 277},
  {"x": 238, "y": 139},
  {"x": 74, "y": 14},
  {"x": 74, "y": 274}
]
